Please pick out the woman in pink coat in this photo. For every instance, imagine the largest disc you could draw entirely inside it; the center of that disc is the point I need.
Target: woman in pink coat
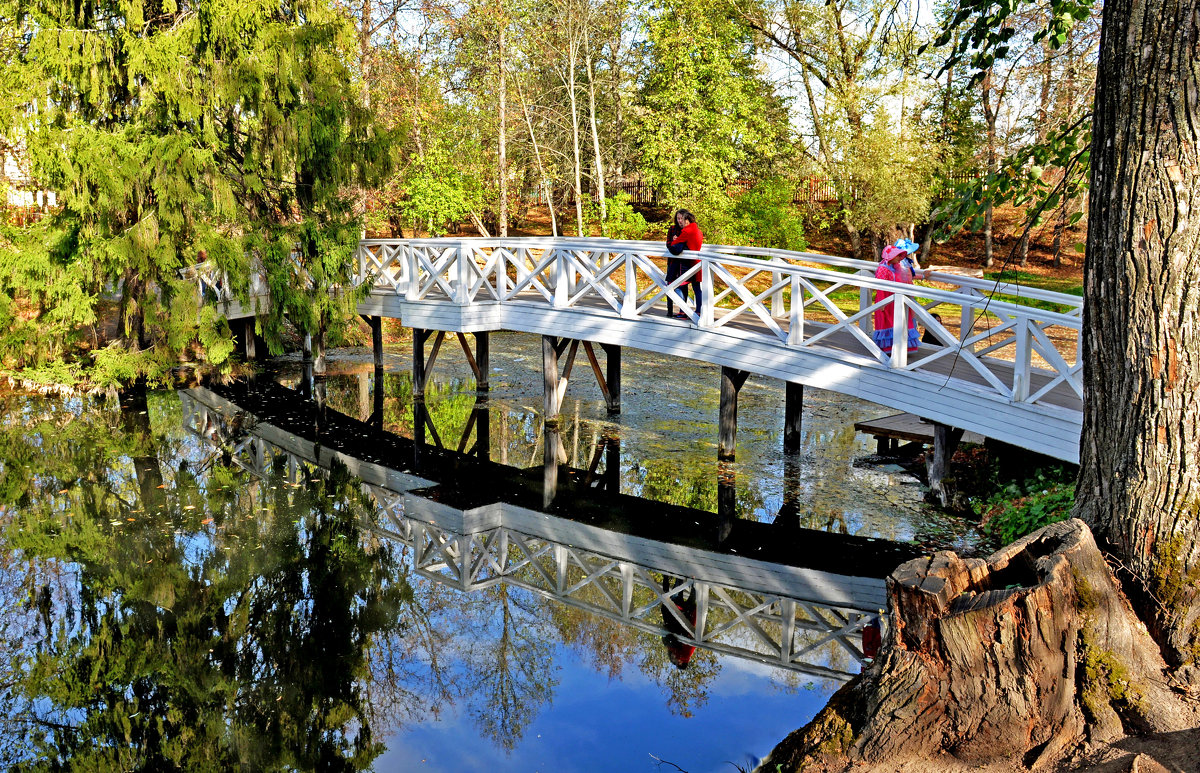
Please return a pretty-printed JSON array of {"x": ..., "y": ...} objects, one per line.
[{"x": 892, "y": 268}]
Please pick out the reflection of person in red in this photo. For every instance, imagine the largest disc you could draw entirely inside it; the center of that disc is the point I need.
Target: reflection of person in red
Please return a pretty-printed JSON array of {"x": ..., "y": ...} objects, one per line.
[
  {"x": 872, "y": 638},
  {"x": 684, "y": 603}
]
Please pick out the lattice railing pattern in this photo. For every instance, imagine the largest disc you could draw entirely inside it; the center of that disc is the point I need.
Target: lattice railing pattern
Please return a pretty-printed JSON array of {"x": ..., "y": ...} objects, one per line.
[
  {"x": 1018, "y": 351},
  {"x": 791, "y": 633}
]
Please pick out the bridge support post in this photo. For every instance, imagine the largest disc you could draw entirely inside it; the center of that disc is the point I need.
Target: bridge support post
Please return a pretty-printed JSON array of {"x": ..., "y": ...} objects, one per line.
[
  {"x": 306, "y": 347},
  {"x": 612, "y": 465},
  {"x": 420, "y": 419},
  {"x": 556, "y": 386},
  {"x": 788, "y": 517},
  {"x": 248, "y": 342},
  {"x": 422, "y": 368},
  {"x": 549, "y": 379},
  {"x": 319, "y": 360},
  {"x": 612, "y": 395},
  {"x": 726, "y": 502},
  {"x": 376, "y": 418},
  {"x": 483, "y": 429},
  {"x": 945, "y": 442},
  {"x": 793, "y": 406},
  {"x": 551, "y": 454},
  {"x": 479, "y": 360},
  {"x": 376, "y": 325},
  {"x": 482, "y": 364},
  {"x": 732, "y": 380},
  {"x": 608, "y": 379},
  {"x": 364, "y": 397}
]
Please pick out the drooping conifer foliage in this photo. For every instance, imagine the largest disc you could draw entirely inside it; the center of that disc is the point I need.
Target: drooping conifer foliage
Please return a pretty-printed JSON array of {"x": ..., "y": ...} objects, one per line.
[{"x": 166, "y": 128}]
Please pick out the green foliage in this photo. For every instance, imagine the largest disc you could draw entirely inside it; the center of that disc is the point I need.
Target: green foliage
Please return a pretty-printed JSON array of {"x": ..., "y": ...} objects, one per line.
[
  {"x": 184, "y": 621},
  {"x": 986, "y": 32},
  {"x": 767, "y": 217},
  {"x": 623, "y": 221},
  {"x": 1040, "y": 176},
  {"x": 706, "y": 116},
  {"x": 1023, "y": 507},
  {"x": 221, "y": 126},
  {"x": 888, "y": 176},
  {"x": 1022, "y": 181}
]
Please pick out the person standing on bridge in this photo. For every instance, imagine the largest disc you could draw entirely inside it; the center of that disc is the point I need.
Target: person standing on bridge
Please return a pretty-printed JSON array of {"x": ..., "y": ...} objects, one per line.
[
  {"x": 892, "y": 268},
  {"x": 909, "y": 261},
  {"x": 683, "y": 234}
]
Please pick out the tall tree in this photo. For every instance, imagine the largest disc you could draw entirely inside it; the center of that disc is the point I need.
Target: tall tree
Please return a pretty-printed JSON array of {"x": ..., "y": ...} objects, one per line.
[
  {"x": 169, "y": 128},
  {"x": 706, "y": 116},
  {"x": 1139, "y": 482}
]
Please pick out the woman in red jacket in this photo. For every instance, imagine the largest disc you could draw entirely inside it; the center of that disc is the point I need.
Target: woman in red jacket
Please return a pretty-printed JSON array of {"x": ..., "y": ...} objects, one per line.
[{"x": 684, "y": 234}]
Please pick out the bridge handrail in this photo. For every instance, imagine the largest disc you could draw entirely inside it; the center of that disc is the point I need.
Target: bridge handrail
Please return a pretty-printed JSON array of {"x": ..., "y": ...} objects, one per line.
[
  {"x": 983, "y": 286},
  {"x": 564, "y": 271}
]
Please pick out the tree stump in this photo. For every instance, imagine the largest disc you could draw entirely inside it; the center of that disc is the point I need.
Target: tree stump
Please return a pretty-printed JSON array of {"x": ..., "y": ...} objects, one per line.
[{"x": 1025, "y": 655}]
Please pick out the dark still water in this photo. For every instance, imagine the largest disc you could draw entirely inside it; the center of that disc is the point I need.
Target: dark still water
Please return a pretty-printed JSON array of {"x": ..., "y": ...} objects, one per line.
[{"x": 239, "y": 577}]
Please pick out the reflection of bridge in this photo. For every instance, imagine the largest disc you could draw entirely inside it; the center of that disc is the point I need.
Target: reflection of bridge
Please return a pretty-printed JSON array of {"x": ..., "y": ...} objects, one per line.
[
  {"x": 1004, "y": 370},
  {"x": 799, "y": 603}
]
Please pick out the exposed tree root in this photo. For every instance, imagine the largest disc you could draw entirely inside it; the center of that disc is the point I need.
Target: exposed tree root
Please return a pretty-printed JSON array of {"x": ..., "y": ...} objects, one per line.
[{"x": 1024, "y": 656}]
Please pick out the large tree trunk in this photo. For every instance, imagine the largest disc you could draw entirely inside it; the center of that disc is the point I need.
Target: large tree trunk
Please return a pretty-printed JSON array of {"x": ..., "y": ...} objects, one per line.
[
  {"x": 1020, "y": 656},
  {"x": 1139, "y": 480}
]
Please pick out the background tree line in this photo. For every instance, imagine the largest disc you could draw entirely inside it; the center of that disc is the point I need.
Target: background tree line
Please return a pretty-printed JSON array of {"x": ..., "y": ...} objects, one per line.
[{"x": 271, "y": 137}]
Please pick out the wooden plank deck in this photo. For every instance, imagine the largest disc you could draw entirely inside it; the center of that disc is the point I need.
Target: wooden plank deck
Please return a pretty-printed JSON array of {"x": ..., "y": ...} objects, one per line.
[
  {"x": 947, "y": 390},
  {"x": 907, "y": 426}
]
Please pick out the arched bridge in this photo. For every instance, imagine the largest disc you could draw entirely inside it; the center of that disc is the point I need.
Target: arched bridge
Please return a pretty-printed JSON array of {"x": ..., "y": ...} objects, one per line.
[{"x": 1001, "y": 360}]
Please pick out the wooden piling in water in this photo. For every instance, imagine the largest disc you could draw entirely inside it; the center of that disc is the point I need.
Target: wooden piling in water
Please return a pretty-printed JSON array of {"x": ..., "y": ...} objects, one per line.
[
  {"x": 732, "y": 380},
  {"x": 792, "y": 410}
]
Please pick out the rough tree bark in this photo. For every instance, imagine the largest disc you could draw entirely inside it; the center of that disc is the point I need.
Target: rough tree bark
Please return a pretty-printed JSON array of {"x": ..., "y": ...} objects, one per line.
[
  {"x": 1019, "y": 656},
  {"x": 1139, "y": 482}
]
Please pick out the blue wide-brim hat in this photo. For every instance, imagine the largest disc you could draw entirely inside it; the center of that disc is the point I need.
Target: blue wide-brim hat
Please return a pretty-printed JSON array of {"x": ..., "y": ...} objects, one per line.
[{"x": 908, "y": 245}]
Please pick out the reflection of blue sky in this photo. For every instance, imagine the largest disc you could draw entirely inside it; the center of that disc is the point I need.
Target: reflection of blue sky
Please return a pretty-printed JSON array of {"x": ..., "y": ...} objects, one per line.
[{"x": 595, "y": 724}]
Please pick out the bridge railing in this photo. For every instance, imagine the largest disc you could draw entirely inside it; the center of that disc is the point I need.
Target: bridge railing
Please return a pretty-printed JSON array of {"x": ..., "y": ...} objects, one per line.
[{"x": 802, "y": 300}]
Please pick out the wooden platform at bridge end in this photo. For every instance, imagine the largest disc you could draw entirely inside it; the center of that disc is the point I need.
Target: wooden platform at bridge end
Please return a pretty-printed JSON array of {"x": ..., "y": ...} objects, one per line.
[{"x": 888, "y": 430}]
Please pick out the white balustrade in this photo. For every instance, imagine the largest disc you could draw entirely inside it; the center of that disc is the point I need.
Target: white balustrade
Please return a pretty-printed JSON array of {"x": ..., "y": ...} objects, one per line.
[{"x": 790, "y": 297}]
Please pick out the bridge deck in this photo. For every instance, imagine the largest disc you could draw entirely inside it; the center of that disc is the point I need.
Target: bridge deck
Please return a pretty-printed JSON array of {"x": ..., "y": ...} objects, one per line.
[
  {"x": 1007, "y": 370},
  {"x": 945, "y": 388}
]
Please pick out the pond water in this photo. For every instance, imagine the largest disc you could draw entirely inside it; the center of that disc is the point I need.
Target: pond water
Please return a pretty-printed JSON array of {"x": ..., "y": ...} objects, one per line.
[{"x": 181, "y": 591}]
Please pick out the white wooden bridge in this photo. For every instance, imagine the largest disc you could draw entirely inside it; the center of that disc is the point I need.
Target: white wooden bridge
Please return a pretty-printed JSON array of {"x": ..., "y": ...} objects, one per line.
[
  {"x": 1002, "y": 367},
  {"x": 793, "y": 617}
]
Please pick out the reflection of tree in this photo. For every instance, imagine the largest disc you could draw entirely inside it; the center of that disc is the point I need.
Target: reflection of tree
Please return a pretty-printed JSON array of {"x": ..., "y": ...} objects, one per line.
[
  {"x": 695, "y": 486},
  {"x": 686, "y": 688},
  {"x": 204, "y": 621},
  {"x": 609, "y": 645},
  {"x": 509, "y": 673},
  {"x": 605, "y": 644}
]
